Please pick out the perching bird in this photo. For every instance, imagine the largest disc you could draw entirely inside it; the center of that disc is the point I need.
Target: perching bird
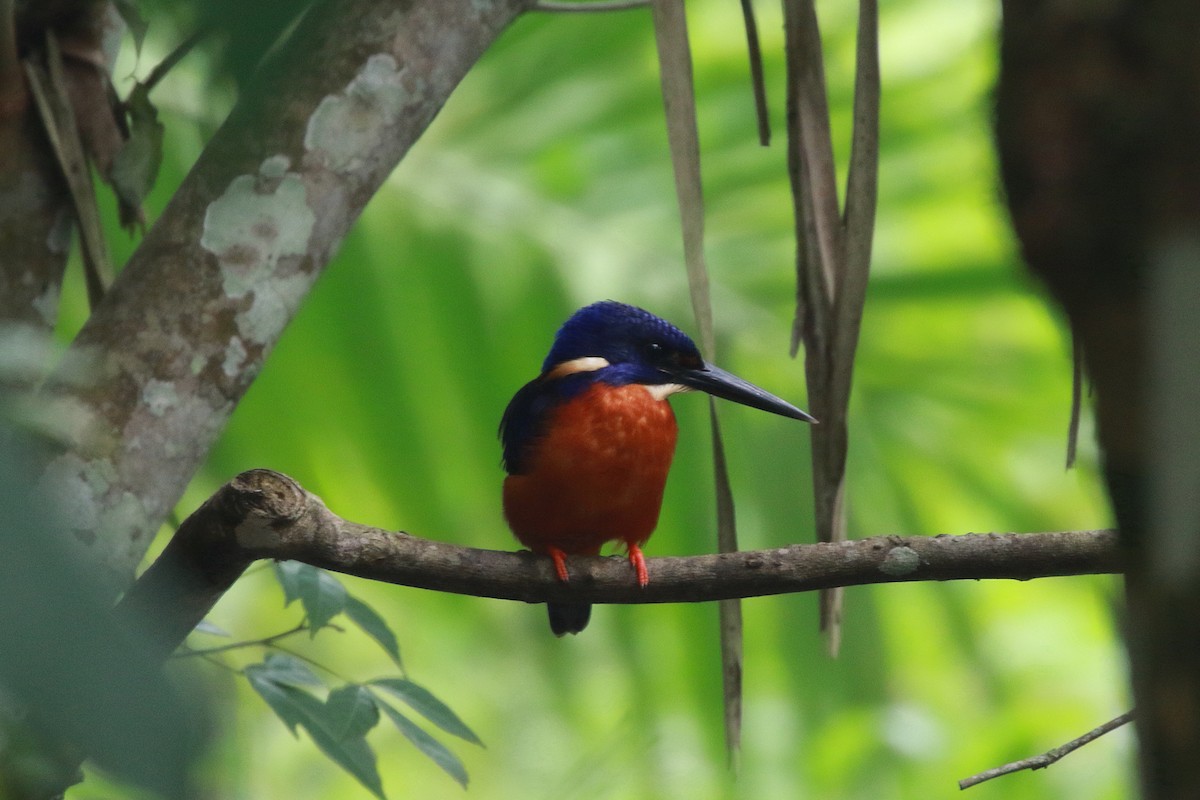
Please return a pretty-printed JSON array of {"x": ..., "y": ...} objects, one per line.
[{"x": 588, "y": 443}]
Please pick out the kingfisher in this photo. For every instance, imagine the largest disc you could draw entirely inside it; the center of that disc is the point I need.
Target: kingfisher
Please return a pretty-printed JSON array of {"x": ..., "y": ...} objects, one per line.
[{"x": 588, "y": 443}]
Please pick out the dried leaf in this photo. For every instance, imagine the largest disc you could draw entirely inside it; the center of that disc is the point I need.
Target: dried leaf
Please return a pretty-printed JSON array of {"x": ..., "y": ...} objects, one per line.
[
  {"x": 756, "y": 73},
  {"x": 679, "y": 99},
  {"x": 1076, "y": 397},
  {"x": 53, "y": 99},
  {"x": 833, "y": 253}
]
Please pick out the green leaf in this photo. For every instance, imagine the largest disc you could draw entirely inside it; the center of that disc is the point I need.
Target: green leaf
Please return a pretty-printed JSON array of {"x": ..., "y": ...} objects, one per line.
[
  {"x": 132, "y": 16},
  {"x": 72, "y": 670},
  {"x": 323, "y": 597},
  {"x": 136, "y": 165},
  {"x": 297, "y": 707},
  {"x": 354, "y": 755},
  {"x": 288, "y": 575},
  {"x": 204, "y": 626},
  {"x": 286, "y": 669},
  {"x": 428, "y": 745},
  {"x": 351, "y": 711},
  {"x": 278, "y": 700},
  {"x": 428, "y": 706},
  {"x": 374, "y": 626},
  {"x": 321, "y": 594}
]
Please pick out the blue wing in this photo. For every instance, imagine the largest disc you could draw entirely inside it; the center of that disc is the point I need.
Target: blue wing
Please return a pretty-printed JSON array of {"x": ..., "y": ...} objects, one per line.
[{"x": 525, "y": 419}]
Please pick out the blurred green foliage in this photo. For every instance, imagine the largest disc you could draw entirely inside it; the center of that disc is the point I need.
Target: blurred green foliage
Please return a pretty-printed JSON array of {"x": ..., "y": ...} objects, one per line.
[
  {"x": 545, "y": 184},
  {"x": 73, "y": 677}
]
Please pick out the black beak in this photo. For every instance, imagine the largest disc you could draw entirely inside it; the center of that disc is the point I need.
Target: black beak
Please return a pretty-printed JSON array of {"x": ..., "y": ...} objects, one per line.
[{"x": 728, "y": 386}]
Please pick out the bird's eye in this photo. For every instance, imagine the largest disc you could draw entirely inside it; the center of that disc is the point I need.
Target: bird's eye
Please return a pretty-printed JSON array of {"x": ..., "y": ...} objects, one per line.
[{"x": 655, "y": 353}]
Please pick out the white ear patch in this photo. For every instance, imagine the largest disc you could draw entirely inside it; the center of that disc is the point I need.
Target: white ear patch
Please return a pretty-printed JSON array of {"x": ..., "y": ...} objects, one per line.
[
  {"x": 585, "y": 364},
  {"x": 660, "y": 391}
]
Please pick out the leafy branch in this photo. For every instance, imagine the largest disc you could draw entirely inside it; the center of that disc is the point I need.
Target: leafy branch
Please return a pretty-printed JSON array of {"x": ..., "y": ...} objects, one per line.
[{"x": 338, "y": 723}]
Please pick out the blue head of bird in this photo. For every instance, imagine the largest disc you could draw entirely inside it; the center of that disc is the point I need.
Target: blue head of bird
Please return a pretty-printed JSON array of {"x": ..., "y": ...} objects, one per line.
[{"x": 621, "y": 344}]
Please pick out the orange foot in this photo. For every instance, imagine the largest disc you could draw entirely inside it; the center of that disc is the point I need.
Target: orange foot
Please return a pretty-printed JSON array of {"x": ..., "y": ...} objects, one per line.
[
  {"x": 638, "y": 561},
  {"x": 560, "y": 563}
]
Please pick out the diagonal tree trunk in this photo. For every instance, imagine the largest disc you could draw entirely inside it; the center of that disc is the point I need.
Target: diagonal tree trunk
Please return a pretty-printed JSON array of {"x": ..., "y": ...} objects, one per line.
[{"x": 163, "y": 361}]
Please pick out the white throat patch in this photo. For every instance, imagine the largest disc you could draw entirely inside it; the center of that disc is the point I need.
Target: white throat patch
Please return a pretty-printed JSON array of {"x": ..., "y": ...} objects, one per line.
[{"x": 662, "y": 391}]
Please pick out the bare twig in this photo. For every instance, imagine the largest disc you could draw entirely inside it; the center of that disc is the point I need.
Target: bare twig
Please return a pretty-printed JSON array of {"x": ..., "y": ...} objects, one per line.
[
  {"x": 216, "y": 662},
  {"x": 174, "y": 57},
  {"x": 1046, "y": 759},
  {"x": 266, "y": 641}
]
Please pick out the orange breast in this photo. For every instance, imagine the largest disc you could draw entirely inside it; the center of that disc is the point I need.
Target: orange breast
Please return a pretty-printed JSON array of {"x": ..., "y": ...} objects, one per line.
[{"x": 596, "y": 475}]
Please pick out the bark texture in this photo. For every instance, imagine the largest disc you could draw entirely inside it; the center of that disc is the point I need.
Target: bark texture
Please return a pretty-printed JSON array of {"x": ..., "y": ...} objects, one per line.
[
  {"x": 163, "y": 361},
  {"x": 264, "y": 514}
]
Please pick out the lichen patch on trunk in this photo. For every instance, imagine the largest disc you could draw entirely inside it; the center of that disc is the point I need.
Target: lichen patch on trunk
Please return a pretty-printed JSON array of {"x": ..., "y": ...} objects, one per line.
[{"x": 261, "y": 221}]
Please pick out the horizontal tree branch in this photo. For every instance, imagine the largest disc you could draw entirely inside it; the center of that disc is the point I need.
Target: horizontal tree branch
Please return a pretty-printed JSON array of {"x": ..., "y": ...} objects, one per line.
[{"x": 264, "y": 514}]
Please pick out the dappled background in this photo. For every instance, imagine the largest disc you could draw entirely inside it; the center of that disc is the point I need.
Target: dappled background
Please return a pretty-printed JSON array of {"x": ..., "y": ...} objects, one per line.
[{"x": 546, "y": 184}]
